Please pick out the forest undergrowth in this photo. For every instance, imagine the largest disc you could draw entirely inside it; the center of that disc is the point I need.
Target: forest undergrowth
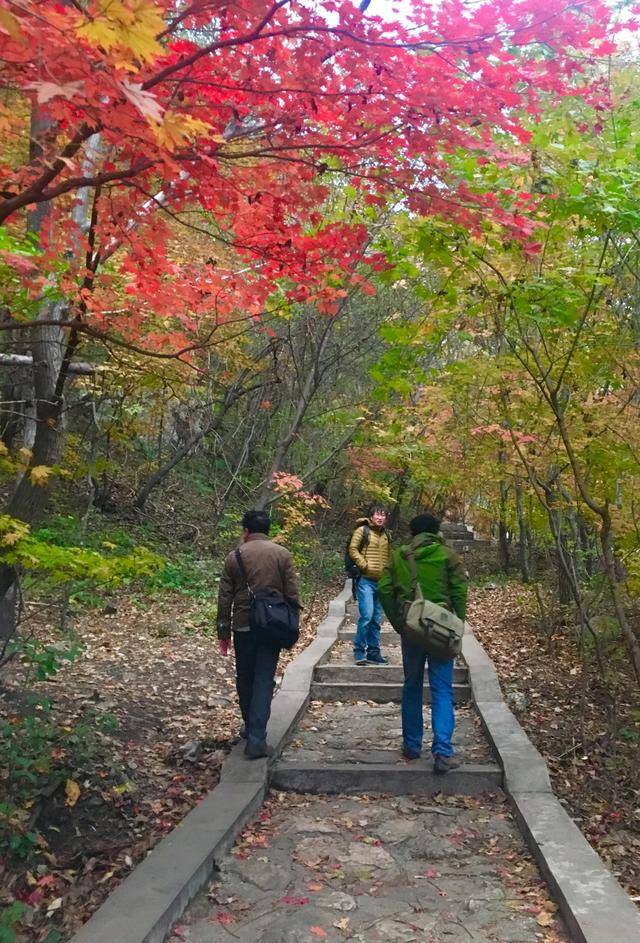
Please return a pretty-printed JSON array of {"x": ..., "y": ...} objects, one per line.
[
  {"x": 115, "y": 724},
  {"x": 587, "y": 728}
]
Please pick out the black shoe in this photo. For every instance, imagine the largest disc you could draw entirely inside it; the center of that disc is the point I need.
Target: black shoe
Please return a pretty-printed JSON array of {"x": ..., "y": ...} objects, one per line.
[
  {"x": 361, "y": 661},
  {"x": 242, "y": 733},
  {"x": 443, "y": 764},
  {"x": 410, "y": 754},
  {"x": 377, "y": 660},
  {"x": 257, "y": 752}
]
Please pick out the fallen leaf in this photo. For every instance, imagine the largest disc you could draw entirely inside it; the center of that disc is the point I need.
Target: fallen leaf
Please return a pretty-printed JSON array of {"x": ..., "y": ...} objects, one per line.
[
  {"x": 319, "y": 932},
  {"x": 545, "y": 919},
  {"x": 72, "y": 792}
]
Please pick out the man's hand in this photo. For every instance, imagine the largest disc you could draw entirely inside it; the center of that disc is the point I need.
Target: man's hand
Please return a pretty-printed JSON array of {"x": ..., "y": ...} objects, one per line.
[{"x": 223, "y": 646}]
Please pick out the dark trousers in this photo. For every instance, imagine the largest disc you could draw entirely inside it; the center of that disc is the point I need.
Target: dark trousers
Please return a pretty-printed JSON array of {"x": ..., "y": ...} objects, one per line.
[{"x": 255, "y": 674}]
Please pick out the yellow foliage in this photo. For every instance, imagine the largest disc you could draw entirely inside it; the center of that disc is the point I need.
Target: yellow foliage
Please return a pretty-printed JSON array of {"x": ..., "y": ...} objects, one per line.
[
  {"x": 177, "y": 129},
  {"x": 40, "y": 475},
  {"x": 24, "y": 455},
  {"x": 72, "y": 792},
  {"x": 10, "y": 539},
  {"x": 9, "y": 24},
  {"x": 128, "y": 26}
]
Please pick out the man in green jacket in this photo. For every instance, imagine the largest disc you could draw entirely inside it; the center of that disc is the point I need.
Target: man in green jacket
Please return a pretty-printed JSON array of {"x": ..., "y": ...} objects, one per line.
[{"x": 443, "y": 581}]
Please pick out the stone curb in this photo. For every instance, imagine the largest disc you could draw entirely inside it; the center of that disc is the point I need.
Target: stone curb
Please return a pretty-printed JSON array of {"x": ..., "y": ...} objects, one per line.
[
  {"x": 594, "y": 906},
  {"x": 149, "y": 901}
]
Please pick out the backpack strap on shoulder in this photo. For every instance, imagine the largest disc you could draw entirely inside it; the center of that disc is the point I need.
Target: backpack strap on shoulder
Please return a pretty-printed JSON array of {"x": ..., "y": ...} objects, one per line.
[
  {"x": 408, "y": 554},
  {"x": 364, "y": 540}
]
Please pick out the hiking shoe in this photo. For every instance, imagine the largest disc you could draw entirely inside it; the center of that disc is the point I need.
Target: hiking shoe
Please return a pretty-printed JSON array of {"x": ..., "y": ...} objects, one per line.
[
  {"x": 410, "y": 754},
  {"x": 443, "y": 764},
  {"x": 360, "y": 661},
  {"x": 377, "y": 660},
  {"x": 256, "y": 752}
]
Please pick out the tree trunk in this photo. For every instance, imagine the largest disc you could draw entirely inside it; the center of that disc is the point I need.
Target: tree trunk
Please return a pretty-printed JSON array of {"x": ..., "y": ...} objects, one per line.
[
  {"x": 42, "y": 434},
  {"x": 613, "y": 579},
  {"x": 288, "y": 434},
  {"x": 523, "y": 535},
  {"x": 231, "y": 396}
]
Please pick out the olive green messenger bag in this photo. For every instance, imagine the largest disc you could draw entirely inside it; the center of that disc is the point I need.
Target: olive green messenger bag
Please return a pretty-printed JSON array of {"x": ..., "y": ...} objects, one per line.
[{"x": 428, "y": 625}]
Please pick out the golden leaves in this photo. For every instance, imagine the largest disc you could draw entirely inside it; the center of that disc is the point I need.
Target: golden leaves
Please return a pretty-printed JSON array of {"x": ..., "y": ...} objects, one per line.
[
  {"x": 40, "y": 474},
  {"x": 9, "y": 25},
  {"x": 72, "y": 792},
  {"x": 176, "y": 129},
  {"x": 128, "y": 27}
]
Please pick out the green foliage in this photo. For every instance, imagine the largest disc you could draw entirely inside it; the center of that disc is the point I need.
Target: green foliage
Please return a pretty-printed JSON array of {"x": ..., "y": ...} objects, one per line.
[
  {"x": 10, "y": 917},
  {"x": 38, "y": 552},
  {"x": 185, "y": 574},
  {"x": 36, "y": 750}
]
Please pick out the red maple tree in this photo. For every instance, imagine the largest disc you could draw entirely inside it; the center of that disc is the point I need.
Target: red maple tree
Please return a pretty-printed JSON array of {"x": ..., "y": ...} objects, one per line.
[{"x": 235, "y": 119}]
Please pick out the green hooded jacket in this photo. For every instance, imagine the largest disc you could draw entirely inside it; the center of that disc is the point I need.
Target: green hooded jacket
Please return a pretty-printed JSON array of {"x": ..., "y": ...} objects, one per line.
[{"x": 440, "y": 573}]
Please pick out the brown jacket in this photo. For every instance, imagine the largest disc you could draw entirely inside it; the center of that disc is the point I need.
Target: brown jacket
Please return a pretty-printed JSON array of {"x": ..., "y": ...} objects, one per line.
[{"x": 268, "y": 566}]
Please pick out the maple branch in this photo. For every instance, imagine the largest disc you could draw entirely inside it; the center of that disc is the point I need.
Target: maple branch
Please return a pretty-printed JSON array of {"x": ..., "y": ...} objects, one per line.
[
  {"x": 255, "y": 34},
  {"x": 585, "y": 314},
  {"x": 74, "y": 183},
  {"x": 33, "y": 193}
]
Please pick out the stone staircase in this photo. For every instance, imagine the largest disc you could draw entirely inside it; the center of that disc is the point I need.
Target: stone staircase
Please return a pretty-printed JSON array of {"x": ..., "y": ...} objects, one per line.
[
  {"x": 338, "y": 678},
  {"x": 349, "y": 740}
]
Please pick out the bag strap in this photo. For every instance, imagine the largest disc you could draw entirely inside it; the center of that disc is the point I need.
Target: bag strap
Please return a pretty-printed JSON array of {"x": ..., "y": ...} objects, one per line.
[
  {"x": 364, "y": 540},
  {"x": 407, "y": 553},
  {"x": 243, "y": 572}
]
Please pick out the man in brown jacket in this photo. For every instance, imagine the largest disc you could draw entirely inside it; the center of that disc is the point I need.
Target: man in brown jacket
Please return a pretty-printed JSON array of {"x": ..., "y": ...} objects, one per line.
[{"x": 268, "y": 567}]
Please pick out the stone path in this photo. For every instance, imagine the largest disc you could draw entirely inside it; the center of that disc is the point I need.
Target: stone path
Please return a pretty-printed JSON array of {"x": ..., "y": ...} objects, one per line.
[
  {"x": 432, "y": 859},
  {"x": 376, "y": 870},
  {"x": 371, "y": 733}
]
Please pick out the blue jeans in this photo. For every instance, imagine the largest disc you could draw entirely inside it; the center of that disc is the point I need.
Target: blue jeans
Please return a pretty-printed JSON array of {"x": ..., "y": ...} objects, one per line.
[
  {"x": 367, "y": 640},
  {"x": 441, "y": 683},
  {"x": 255, "y": 672}
]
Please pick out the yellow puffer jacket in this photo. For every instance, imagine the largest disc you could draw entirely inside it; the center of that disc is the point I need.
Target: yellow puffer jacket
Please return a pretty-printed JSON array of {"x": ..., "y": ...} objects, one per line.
[{"x": 373, "y": 558}]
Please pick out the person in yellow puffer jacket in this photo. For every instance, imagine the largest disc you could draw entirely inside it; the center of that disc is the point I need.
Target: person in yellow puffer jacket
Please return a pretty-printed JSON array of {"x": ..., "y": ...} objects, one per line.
[{"x": 370, "y": 550}]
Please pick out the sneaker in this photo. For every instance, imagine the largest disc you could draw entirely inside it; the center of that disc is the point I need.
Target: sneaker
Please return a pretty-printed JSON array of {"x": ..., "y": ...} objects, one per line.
[
  {"x": 410, "y": 754},
  {"x": 377, "y": 660},
  {"x": 257, "y": 752},
  {"x": 360, "y": 660},
  {"x": 443, "y": 764}
]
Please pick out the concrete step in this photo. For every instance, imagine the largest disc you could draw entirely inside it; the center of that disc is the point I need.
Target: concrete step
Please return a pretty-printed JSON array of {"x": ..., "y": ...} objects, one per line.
[
  {"x": 380, "y": 692},
  {"x": 350, "y": 673},
  {"x": 416, "y": 778}
]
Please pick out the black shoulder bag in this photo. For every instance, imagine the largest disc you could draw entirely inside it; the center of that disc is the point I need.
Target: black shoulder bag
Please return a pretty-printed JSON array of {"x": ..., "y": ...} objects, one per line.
[{"x": 273, "y": 618}]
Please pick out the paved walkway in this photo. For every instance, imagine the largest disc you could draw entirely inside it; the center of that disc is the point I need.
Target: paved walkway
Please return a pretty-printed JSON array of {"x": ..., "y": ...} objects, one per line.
[
  {"x": 367, "y": 732},
  {"x": 391, "y": 868}
]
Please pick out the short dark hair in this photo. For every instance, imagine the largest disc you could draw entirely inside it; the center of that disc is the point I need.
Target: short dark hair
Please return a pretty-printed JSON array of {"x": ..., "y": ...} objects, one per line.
[
  {"x": 256, "y": 522},
  {"x": 425, "y": 523},
  {"x": 377, "y": 508}
]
